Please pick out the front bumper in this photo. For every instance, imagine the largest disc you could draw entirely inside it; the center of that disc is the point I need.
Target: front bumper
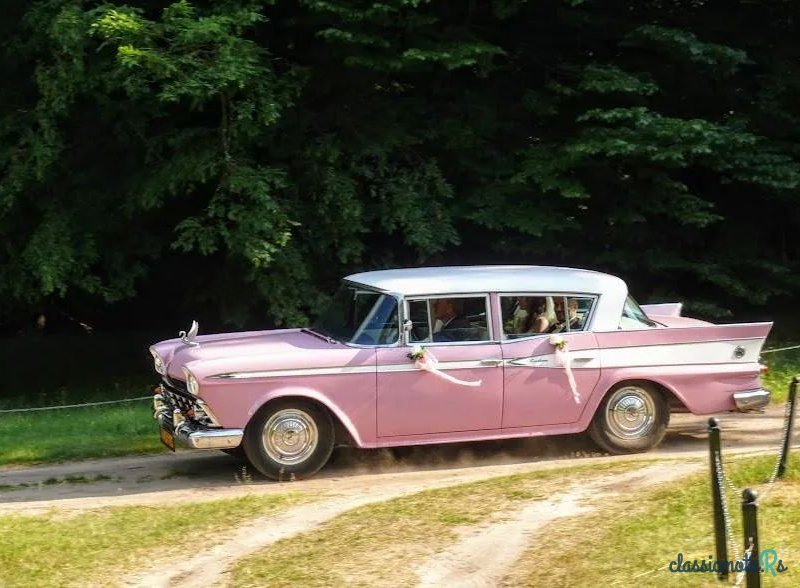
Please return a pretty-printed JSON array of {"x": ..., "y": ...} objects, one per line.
[
  {"x": 752, "y": 400},
  {"x": 196, "y": 436},
  {"x": 179, "y": 413}
]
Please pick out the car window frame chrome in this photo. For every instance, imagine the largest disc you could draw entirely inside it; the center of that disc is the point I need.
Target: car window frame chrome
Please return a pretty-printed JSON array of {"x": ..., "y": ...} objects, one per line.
[
  {"x": 589, "y": 319},
  {"x": 399, "y": 299},
  {"x": 489, "y": 318}
]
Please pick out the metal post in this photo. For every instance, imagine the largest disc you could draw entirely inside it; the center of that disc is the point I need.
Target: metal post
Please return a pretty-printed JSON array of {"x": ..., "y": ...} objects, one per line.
[
  {"x": 750, "y": 524},
  {"x": 787, "y": 437},
  {"x": 715, "y": 456}
]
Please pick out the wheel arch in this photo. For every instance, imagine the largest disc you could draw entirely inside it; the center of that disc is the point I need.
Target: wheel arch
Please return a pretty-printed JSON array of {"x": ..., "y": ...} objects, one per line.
[
  {"x": 345, "y": 431},
  {"x": 674, "y": 400}
]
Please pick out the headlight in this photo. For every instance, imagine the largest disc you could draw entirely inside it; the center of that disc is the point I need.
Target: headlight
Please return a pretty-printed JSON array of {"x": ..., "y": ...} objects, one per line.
[
  {"x": 158, "y": 363},
  {"x": 192, "y": 386}
]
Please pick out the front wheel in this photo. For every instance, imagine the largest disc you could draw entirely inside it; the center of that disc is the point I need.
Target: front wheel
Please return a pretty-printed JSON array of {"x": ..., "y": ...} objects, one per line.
[
  {"x": 632, "y": 418},
  {"x": 289, "y": 440}
]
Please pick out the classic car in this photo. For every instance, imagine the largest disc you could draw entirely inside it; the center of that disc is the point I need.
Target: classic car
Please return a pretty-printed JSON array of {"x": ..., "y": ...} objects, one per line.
[{"x": 443, "y": 354}]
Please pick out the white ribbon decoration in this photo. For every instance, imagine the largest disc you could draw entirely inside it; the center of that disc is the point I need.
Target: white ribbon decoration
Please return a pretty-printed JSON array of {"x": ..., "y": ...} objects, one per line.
[
  {"x": 425, "y": 360},
  {"x": 562, "y": 354}
]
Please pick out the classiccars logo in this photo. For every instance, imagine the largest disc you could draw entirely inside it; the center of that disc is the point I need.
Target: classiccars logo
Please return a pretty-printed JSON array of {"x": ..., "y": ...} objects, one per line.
[{"x": 767, "y": 562}]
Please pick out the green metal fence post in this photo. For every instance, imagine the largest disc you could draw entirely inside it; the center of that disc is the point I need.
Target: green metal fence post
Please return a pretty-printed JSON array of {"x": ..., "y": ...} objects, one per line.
[
  {"x": 715, "y": 459},
  {"x": 750, "y": 524},
  {"x": 787, "y": 437}
]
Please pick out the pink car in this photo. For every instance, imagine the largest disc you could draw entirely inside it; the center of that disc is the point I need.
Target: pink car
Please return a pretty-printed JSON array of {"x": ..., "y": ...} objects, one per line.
[{"x": 446, "y": 354}]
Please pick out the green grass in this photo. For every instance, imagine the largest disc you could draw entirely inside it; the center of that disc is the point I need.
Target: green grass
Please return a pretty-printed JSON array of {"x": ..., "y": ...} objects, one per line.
[
  {"x": 783, "y": 366},
  {"x": 373, "y": 545},
  {"x": 78, "y": 433},
  {"x": 95, "y": 549},
  {"x": 633, "y": 541}
]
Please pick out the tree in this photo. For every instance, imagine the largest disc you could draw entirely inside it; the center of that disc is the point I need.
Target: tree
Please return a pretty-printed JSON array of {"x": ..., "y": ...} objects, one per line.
[{"x": 263, "y": 150}]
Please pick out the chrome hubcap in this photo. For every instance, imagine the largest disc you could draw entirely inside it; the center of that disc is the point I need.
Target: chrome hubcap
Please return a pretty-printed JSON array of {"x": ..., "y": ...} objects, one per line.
[
  {"x": 290, "y": 436},
  {"x": 630, "y": 413}
]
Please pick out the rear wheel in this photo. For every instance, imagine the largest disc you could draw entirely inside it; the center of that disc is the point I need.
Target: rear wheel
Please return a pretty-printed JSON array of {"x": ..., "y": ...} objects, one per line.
[
  {"x": 632, "y": 418},
  {"x": 289, "y": 439}
]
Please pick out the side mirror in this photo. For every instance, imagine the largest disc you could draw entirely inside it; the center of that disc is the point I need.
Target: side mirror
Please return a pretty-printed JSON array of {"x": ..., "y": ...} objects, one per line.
[{"x": 407, "y": 325}]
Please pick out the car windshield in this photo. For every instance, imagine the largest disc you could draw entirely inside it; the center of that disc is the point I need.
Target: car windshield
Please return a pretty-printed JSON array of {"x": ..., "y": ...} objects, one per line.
[
  {"x": 361, "y": 316},
  {"x": 633, "y": 317}
]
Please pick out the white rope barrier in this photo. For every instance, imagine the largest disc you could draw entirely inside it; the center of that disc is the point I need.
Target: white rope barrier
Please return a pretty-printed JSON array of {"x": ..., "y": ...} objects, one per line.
[
  {"x": 781, "y": 349},
  {"x": 75, "y": 405}
]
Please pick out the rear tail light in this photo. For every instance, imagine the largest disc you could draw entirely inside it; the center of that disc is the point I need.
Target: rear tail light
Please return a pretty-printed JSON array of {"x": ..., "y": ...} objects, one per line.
[{"x": 764, "y": 368}]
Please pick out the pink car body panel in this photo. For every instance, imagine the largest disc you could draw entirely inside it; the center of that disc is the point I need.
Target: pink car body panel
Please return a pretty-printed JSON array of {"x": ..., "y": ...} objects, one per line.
[
  {"x": 536, "y": 387},
  {"x": 415, "y": 402},
  {"x": 275, "y": 364},
  {"x": 382, "y": 399}
]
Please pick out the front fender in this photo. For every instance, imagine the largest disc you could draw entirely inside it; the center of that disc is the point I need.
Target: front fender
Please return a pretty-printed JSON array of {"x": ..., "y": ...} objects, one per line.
[{"x": 309, "y": 393}]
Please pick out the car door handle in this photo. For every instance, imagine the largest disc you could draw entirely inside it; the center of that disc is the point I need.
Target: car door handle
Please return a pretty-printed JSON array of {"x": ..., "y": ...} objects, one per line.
[
  {"x": 491, "y": 362},
  {"x": 582, "y": 358}
]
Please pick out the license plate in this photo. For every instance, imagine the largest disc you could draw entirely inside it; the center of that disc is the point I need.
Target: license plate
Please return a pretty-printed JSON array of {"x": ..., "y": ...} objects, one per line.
[{"x": 167, "y": 438}]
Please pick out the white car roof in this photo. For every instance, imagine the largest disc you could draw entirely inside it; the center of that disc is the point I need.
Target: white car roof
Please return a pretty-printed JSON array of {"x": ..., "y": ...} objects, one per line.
[
  {"x": 490, "y": 278},
  {"x": 610, "y": 290}
]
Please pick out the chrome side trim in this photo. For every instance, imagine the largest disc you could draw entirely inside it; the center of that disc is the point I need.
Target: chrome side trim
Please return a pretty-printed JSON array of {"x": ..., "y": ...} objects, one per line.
[
  {"x": 539, "y": 361},
  {"x": 751, "y": 400},
  {"x": 359, "y": 369},
  {"x": 443, "y": 365},
  {"x": 614, "y": 357}
]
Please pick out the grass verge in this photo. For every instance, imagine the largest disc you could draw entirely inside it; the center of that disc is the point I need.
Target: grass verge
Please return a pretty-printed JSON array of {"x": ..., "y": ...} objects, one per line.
[
  {"x": 91, "y": 549},
  {"x": 633, "y": 540},
  {"x": 374, "y": 544},
  {"x": 79, "y": 433},
  {"x": 783, "y": 366}
]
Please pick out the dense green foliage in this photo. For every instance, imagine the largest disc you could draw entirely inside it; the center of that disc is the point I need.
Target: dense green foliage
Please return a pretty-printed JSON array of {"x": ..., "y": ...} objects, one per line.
[{"x": 251, "y": 153}]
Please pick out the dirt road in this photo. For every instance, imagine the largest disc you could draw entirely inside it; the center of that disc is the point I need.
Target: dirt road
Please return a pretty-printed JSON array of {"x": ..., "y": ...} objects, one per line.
[
  {"x": 356, "y": 478},
  {"x": 197, "y": 475}
]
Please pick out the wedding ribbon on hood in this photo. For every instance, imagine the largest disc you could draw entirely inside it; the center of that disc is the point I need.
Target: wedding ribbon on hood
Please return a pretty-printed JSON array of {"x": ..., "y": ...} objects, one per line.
[
  {"x": 425, "y": 360},
  {"x": 562, "y": 354}
]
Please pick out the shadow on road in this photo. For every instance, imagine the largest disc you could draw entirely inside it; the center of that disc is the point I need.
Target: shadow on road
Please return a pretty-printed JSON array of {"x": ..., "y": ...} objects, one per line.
[{"x": 198, "y": 471}]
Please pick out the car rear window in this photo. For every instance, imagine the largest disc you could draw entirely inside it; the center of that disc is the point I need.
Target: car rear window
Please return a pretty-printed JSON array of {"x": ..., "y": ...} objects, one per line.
[{"x": 633, "y": 317}]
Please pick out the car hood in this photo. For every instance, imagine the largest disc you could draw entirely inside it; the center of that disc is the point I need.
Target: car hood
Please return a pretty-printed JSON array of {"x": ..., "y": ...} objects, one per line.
[{"x": 252, "y": 347}]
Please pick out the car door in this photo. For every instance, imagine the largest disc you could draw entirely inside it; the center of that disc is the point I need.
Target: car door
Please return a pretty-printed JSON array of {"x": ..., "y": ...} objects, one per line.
[
  {"x": 536, "y": 382},
  {"x": 413, "y": 401}
]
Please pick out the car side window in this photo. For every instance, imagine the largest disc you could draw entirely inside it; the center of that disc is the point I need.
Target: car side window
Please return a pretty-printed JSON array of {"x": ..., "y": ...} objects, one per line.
[
  {"x": 571, "y": 312},
  {"x": 420, "y": 321},
  {"x": 530, "y": 314},
  {"x": 526, "y": 315},
  {"x": 449, "y": 319},
  {"x": 579, "y": 310}
]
